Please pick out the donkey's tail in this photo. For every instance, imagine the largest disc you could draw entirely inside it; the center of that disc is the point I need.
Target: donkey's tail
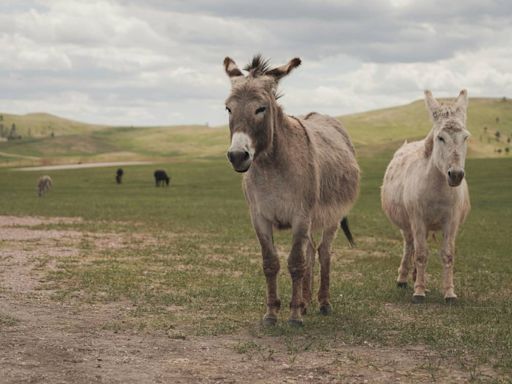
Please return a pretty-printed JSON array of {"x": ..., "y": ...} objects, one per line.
[{"x": 346, "y": 231}]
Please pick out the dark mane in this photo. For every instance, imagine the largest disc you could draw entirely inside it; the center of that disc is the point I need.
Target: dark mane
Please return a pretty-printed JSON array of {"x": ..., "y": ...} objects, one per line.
[{"x": 258, "y": 66}]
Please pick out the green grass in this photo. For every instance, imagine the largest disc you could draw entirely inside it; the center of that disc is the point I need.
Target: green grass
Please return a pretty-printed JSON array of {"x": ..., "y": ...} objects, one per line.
[
  {"x": 200, "y": 271},
  {"x": 202, "y": 274}
]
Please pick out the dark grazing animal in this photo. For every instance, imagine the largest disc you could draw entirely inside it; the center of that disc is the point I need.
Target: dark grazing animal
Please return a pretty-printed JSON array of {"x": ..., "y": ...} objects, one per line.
[
  {"x": 161, "y": 178},
  {"x": 299, "y": 173},
  {"x": 119, "y": 175}
]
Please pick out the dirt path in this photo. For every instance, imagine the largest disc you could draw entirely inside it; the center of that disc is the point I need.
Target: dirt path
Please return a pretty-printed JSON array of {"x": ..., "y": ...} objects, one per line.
[
  {"x": 45, "y": 341},
  {"x": 81, "y": 166}
]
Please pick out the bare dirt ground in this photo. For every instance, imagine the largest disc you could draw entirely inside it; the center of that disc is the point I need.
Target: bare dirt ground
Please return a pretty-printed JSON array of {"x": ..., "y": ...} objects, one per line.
[{"x": 46, "y": 341}]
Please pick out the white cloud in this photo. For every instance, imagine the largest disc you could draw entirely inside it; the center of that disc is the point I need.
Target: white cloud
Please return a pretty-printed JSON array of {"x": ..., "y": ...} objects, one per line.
[{"x": 127, "y": 62}]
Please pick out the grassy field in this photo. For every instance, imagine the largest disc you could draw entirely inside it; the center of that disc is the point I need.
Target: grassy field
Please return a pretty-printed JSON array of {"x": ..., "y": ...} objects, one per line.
[
  {"x": 200, "y": 273},
  {"x": 185, "y": 262}
]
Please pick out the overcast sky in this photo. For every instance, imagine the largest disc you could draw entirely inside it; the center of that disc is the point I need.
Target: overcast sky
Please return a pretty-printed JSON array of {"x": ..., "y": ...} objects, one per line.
[{"x": 159, "y": 62}]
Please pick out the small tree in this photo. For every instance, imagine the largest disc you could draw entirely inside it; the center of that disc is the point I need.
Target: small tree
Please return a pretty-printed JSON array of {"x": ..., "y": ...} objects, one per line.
[
  {"x": 497, "y": 134},
  {"x": 12, "y": 134}
]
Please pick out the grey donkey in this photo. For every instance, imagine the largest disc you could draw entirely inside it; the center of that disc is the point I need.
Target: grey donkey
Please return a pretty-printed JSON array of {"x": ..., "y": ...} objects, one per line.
[{"x": 299, "y": 173}]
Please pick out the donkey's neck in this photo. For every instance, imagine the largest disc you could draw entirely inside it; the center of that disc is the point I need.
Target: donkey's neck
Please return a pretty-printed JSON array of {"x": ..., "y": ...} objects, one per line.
[
  {"x": 435, "y": 176},
  {"x": 275, "y": 154}
]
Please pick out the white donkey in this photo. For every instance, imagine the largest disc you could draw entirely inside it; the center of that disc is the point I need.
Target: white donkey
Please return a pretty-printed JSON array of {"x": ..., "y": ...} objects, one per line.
[{"x": 424, "y": 190}]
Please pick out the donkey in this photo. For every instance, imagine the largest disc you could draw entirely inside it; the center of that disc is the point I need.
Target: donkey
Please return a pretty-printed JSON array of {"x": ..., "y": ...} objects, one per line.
[
  {"x": 119, "y": 175},
  {"x": 300, "y": 173},
  {"x": 161, "y": 178},
  {"x": 43, "y": 185},
  {"x": 424, "y": 190}
]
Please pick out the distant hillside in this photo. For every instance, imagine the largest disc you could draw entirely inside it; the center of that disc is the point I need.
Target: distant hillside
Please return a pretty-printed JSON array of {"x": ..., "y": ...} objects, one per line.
[
  {"x": 43, "y": 124},
  {"x": 375, "y": 133},
  {"x": 388, "y": 127}
]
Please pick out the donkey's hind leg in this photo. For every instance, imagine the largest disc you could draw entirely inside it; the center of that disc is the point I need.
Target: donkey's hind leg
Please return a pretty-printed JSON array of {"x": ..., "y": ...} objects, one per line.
[
  {"x": 405, "y": 264},
  {"x": 307, "y": 280},
  {"x": 324, "y": 255}
]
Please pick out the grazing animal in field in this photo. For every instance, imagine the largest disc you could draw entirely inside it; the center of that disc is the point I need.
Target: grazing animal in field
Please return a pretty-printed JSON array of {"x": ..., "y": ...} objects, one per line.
[
  {"x": 424, "y": 190},
  {"x": 161, "y": 178},
  {"x": 119, "y": 175},
  {"x": 300, "y": 173},
  {"x": 43, "y": 185}
]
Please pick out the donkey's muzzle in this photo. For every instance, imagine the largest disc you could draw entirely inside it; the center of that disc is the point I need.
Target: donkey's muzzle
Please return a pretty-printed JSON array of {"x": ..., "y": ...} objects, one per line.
[
  {"x": 241, "y": 160},
  {"x": 455, "y": 177}
]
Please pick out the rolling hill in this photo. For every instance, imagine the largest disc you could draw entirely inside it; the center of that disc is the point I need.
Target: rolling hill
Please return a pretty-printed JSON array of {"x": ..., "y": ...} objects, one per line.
[
  {"x": 38, "y": 125},
  {"x": 377, "y": 132},
  {"x": 387, "y": 128}
]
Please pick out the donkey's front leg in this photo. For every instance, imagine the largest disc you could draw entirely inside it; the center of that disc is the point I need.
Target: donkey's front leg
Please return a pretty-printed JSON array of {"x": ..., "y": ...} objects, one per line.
[
  {"x": 297, "y": 267},
  {"x": 264, "y": 232},
  {"x": 447, "y": 257},
  {"x": 421, "y": 253}
]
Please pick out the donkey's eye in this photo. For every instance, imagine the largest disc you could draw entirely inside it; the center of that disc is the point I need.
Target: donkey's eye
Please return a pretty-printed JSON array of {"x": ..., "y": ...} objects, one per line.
[
  {"x": 261, "y": 110},
  {"x": 229, "y": 110},
  {"x": 441, "y": 139}
]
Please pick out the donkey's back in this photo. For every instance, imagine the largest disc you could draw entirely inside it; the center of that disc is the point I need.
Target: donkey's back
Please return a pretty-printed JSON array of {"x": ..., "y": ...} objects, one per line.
[{"x": 337, "y": 167}]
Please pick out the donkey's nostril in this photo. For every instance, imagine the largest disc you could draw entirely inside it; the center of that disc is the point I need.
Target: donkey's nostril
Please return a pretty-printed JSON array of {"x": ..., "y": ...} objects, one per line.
[
  {"x": 455, "y": 176},
  {"x": 238, "y": 157}
]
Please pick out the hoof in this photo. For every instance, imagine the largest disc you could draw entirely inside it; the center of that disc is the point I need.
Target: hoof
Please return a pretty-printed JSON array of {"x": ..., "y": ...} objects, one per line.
[
  {"x": 450, "y": 300},
  {"x": 325, "y": 309},
  {"x": 418, "y": 299},
  {"x": 401, "y": 284},
  {"x": 295, "y": 322},
  {"x": 269, "y": 321}
]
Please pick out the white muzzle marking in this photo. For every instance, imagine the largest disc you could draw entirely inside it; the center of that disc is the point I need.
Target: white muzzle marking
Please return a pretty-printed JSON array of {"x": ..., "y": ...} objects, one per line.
[{"x": 242, "y": 142}]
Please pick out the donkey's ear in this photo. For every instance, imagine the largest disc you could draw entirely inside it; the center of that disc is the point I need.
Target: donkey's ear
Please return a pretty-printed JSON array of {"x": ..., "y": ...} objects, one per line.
[
  {"x": 462, "y": 101},
  {"x": 231, "y": 68},
  {"x": 429, "y": 144},
  {"x": 461, "y": 105},
  {"x": 280, "y": 72},
  {"x": 432, "y": 104}
]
